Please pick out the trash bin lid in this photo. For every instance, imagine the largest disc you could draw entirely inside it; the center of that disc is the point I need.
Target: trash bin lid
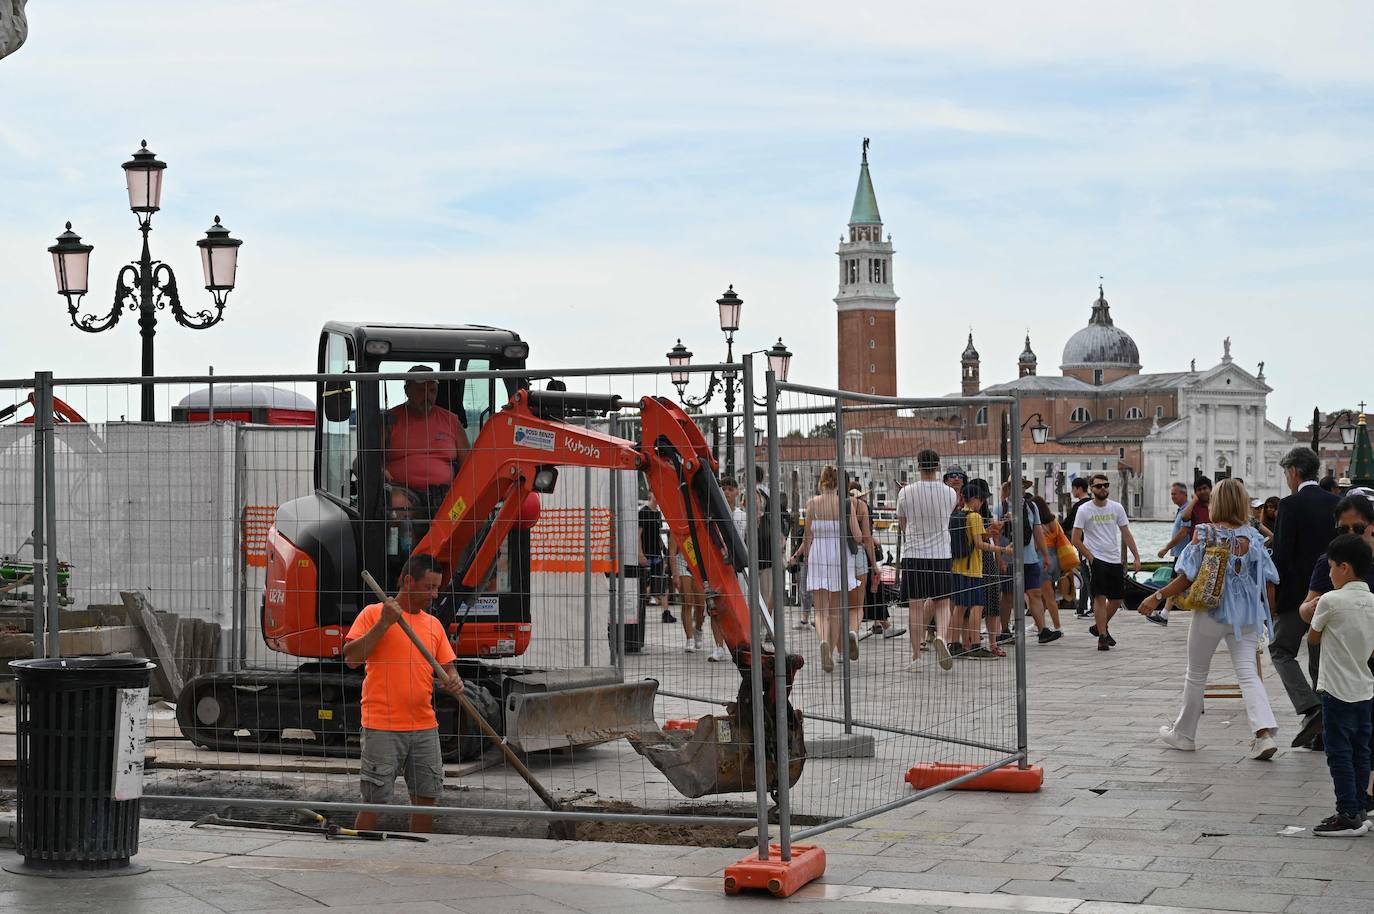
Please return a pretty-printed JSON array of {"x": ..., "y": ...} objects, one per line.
[{"x": 94, "y": 664}]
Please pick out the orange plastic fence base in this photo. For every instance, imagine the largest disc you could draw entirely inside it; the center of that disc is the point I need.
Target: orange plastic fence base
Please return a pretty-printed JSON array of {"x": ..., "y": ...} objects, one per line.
[
  {"x": 680, "y": 723},
  {"x": 1008, "y": 778},
  {"x": 780, "y": 879}
]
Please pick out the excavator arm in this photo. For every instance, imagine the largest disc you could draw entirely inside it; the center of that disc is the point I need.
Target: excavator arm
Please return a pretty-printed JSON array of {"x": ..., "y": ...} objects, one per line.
[{"x": 519, "y": 451}]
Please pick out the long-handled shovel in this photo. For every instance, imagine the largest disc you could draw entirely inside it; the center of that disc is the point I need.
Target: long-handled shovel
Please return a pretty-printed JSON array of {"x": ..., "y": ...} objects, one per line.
[
  {"x": 561, "y": 830},
  {"x": 327, "y": 830}
]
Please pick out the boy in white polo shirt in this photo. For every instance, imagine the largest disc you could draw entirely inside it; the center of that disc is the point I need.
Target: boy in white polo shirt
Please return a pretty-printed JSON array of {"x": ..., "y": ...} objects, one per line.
[{"x": 1343, "y": 624}]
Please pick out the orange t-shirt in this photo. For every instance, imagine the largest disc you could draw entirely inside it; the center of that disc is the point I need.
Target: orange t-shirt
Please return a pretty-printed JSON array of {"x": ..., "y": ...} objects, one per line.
[
  {"x": 398, "y": 688},
  {"x": 422, "y": 451}
]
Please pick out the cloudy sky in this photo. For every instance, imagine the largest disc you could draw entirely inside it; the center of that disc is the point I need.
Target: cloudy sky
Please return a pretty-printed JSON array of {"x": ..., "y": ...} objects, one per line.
[{"x": 593, "y": 176}]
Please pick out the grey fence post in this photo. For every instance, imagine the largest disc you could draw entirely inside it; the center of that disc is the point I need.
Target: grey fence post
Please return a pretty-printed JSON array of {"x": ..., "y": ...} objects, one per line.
[
  {"x": 621, "y": 555},
  {"x": 1016, "y": 505},
  {"x": 842, "y": 494},
  {"x": 784, "y": 792},
  {"x": 41, "y": 382},
  {"x": 43, "y": 426},
  {"x": 239, "y": 636},
  {"x": 751, "y": 531},
  {"x": 587, "y": 620}
]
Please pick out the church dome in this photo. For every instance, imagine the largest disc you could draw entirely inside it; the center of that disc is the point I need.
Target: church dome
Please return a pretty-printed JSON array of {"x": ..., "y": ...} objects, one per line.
[
  {"x": 970, "y": 354},
  {"x": 1101, "y": 344}
]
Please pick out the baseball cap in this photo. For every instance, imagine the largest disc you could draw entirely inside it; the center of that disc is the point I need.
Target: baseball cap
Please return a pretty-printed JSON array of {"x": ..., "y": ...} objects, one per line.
[{"x": 1257, "y": 502}]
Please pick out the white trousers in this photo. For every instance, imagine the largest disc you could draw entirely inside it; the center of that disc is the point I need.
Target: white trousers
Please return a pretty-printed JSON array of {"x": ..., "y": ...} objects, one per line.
[{"x": 1204, "y": 634}]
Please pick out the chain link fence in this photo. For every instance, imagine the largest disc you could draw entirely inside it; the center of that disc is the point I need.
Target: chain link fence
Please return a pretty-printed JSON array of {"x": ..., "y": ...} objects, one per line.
[{"x": 624, "y": 621}]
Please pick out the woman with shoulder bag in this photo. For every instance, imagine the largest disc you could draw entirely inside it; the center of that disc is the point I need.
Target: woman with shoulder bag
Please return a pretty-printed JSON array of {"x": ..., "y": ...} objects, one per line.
[{"x": 1226, "y": 578}]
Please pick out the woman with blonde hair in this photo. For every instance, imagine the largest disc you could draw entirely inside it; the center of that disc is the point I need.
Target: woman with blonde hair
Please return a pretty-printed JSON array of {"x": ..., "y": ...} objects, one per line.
[
  {"x": 1241, "y": 616},
  {"x": 829, "y": 565}
]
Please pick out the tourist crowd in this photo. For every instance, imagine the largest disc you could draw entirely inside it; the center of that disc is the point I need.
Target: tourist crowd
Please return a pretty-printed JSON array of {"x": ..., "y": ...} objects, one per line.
[{"x": 1250, "y": 572}]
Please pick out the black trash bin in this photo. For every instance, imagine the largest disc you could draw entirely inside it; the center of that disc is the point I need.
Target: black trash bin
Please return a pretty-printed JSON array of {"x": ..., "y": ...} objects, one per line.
[{"x": 80, "y": 745}]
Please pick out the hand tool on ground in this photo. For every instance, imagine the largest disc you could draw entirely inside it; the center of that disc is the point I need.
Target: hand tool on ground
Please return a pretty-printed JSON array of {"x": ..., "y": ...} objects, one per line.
[
  {"x": 562, "y": 830},
  {"x": 328, "y": 831},
  {"x": 309, "y": 815}
]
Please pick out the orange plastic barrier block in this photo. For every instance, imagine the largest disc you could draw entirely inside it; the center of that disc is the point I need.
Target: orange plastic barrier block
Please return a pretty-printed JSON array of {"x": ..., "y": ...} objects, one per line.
[
  {"x": 1008, "y": 778},
  {"x": 779, "y": 878},
  {"x": 680, "y": 723}
]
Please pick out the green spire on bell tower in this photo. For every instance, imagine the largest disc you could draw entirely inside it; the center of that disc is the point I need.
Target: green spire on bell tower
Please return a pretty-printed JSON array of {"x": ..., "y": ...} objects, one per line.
[{"x": 865, "y": 210}]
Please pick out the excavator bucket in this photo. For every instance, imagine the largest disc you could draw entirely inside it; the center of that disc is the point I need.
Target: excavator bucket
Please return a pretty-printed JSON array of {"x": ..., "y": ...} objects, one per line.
[
  {"x": 539, "y": 719},
  {"x": 718, "y": 756}
]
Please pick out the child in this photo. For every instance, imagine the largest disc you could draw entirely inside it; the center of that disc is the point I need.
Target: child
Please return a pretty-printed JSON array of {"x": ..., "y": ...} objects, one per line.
[{"x": 1343, "y": 624}]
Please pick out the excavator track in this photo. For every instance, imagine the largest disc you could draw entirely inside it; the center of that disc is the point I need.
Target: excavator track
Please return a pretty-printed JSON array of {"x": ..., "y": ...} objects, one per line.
[{"x": 313, "y": 710}]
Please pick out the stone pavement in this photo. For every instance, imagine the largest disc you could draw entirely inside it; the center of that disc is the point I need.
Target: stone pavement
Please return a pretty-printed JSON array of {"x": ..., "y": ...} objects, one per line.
[{"x": 1123, "y": 826}]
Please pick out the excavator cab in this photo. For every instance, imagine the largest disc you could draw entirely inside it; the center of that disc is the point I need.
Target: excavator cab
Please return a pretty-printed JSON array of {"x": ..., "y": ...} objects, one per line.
[{"x": 353, "y": 521}]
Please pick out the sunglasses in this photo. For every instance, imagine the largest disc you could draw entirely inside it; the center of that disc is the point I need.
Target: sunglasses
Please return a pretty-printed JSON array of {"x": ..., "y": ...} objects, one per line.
[
  {"x": 1101, "y": 485},
  {"x": 1357, "y": 529}
]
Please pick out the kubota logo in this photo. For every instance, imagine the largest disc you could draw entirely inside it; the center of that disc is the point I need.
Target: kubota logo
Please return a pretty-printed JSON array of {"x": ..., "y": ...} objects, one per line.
[{"x": 586, "y": 450}]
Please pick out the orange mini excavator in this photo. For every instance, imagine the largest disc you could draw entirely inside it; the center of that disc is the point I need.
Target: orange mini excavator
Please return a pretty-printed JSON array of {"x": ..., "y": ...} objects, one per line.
[{"x": 318, "y": 546}]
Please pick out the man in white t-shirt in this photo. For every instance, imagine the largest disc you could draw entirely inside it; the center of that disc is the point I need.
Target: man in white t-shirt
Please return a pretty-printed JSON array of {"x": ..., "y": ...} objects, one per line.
[
  {"x": 1099, "y": 529},
  {"x": 923, "y": 510}
]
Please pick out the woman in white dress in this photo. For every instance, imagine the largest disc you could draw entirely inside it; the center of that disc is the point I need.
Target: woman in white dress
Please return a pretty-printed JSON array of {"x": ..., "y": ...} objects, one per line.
[{"x": 829, "y": 565}]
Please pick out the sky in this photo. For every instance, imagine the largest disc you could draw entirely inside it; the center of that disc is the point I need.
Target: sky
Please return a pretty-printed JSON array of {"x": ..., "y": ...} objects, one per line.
[{"x": 594, "y": 175}]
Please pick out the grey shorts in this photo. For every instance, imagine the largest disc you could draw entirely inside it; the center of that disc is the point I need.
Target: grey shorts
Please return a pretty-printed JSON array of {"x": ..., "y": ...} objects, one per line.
[{"x": 413, "y": 754}]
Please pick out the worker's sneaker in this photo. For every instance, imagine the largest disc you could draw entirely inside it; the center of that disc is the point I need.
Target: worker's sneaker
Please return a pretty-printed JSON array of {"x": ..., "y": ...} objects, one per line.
[
  {"x": 690, "y": 647},
  {"x": 668, "y": 616},
  {"x": 1339, "y": 826},
  {"x": 701, "y": 641},
  {"x": 853, "y": 645},
  {"x": 718, "y": 654},
  {"x": 827, "y": 658},
  {"x": 1176, "y": 740},
  {"x": 1158, "y": 618}
]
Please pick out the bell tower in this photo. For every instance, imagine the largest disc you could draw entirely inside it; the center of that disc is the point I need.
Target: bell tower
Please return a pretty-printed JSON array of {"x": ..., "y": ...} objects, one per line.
[
  {"x": 969, "y": 364},
  {"x": 866, "y": 302}
]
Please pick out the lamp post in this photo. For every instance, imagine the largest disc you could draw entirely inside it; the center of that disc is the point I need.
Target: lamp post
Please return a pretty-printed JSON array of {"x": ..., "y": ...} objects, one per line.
[
  {"x": 1040, "y": 433},
  {"x": 1320, "y": 431},
  {"x": 679, "y": 357},
  {"x": 146, "y": 285}
]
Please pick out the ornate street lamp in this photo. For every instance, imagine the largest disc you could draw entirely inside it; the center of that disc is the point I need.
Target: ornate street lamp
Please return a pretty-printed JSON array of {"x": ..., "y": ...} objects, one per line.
[
  {"x": 1040, "y": 432},
  {"x": 679, "y": 357},
  {"x": 780, "y": 360},
  {"x": 146, "y": 285},
  {"x": 1320, "y": 430}
]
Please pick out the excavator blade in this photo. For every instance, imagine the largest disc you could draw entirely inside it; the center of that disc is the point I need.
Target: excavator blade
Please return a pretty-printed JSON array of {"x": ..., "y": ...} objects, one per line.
[
  {"x": 578, "y": 717},
  {"x": 718, "y": 756}
]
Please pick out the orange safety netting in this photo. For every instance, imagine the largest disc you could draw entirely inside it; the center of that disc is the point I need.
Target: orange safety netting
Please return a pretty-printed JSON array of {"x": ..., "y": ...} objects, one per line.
[{"x": 558, "y": 540}]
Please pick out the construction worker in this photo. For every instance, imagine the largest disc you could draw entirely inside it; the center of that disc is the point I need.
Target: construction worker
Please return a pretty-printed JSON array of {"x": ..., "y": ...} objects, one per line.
[{"x": 400, "y": 732}]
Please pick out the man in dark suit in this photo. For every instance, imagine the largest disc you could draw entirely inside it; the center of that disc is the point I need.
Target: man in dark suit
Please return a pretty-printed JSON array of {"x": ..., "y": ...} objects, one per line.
[{"x": 1306, "y": 525}]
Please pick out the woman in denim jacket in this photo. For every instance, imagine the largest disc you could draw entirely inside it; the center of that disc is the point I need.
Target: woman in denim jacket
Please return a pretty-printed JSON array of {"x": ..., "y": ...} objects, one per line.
[{"x": 1239, "y": 619}]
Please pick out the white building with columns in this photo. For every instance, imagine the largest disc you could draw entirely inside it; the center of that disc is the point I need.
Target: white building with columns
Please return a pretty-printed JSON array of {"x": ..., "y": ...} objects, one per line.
[{"x": 1221, "y": 428}]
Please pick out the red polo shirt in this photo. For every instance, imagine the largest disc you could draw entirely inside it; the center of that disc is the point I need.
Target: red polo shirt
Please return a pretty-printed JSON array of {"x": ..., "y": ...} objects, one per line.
[{"x": 423, "y": 450}]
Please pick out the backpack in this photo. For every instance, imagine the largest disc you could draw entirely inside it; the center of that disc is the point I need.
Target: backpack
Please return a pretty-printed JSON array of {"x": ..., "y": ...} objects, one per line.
[
  {"x": 1204, "y": 593},
  {"x": 960, "y": 546}
]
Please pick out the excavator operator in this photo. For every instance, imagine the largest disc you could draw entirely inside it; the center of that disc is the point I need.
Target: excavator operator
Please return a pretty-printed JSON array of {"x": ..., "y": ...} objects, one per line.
[{"x": 423, "y": 445}]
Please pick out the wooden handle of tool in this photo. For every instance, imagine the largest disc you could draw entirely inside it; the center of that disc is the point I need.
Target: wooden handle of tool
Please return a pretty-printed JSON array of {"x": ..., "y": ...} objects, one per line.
[{"x": 467, "y": 707}]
